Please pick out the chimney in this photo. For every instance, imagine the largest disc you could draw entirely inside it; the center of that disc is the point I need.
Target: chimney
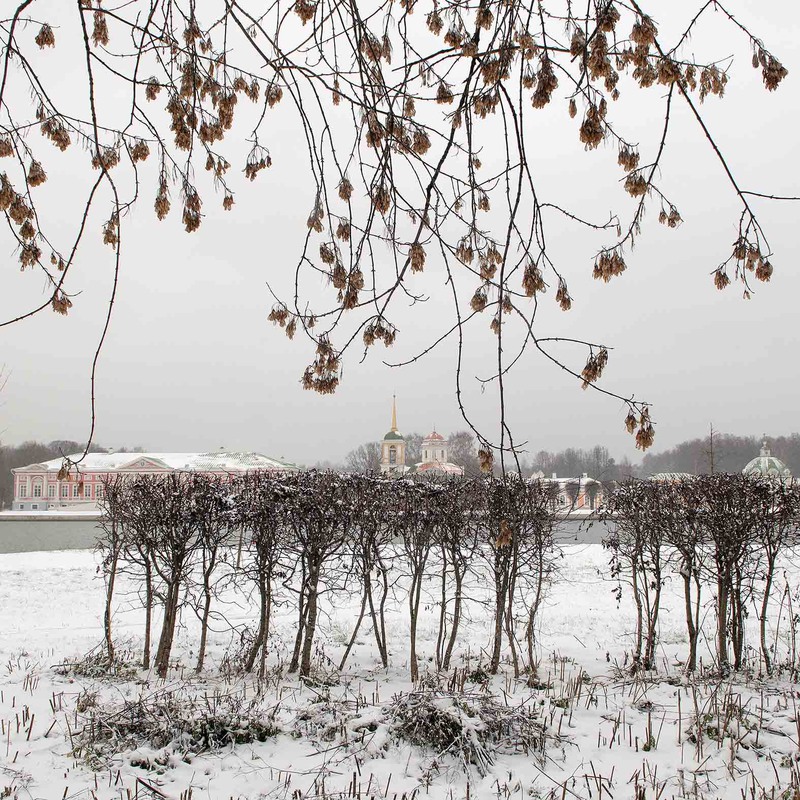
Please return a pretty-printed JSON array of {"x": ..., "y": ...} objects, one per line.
[{"x": 555, "y": 476}]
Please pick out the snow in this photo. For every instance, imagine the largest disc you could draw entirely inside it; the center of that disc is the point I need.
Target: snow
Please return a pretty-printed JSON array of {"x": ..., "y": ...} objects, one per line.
[
  {"x": 210, "y": 462},
  {"x": 615, "y": 733}
]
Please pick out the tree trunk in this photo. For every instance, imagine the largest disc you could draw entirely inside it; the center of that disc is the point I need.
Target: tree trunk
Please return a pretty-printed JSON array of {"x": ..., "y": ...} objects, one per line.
[
  {"x": 534, "y": 610},
  {"x": 763, "y": 621},
  {"x": 112, "y": 575},
  {"x": 148, "y": 618},
  {"x": 738, "y": 616},
  {"x": 294, "y": 664},
  {"x": 413, "y": 607},
  {"x": 378, "y": 622},
  {"x": 355, "y": 630},
  {"x": 208, "y": 569},
  {"x": 652, "y": 627},
  {"x": 310, "y": 622},
  {"x": 500, "y": 597},
  {"x": 509, "y": 614},
  {"x": 457, "y": 601},
  {"x": 722, "y": 623},
  {"x": 262, "y": 667},
  {"x": 168, "y": 629},
  {"x": 637, "y": 596},
  {"x": 442, "y": 615},
  {"x": 259, "y": 641}
]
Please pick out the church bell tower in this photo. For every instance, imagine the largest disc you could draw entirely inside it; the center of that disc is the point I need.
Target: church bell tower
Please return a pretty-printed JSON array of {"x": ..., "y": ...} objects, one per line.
[{"x": 393, "y": 447}]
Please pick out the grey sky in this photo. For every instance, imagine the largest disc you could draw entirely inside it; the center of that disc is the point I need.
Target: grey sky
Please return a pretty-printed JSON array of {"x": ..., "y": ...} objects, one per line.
[{"x": 192, "y": 364}]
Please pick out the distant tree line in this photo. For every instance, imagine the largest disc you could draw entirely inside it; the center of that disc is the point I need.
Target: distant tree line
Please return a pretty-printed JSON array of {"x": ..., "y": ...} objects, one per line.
[
  {"x": 722, "y": 452},
  {"x": 572, "y": 463}
]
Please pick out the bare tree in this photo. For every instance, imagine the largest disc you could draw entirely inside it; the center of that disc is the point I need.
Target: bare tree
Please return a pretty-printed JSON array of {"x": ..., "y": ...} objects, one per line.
[
  {"x": 175, "y": 544},
  {"x": 463, "y": 450},
  {"x": 639, "y": 512},
  {"x": 110, "y": 546},
  {"x": 778, "y": 525},
  {"x": 211, "y": 502},
  {"x": 365, "y": 458},
  {"x": 262, "y": 513},
  {"x": 368, "y": 548},
  {"x": 319, "y": 515},
  {"x": 413, "y": 520},
  {"x": 728, "y": 518}
]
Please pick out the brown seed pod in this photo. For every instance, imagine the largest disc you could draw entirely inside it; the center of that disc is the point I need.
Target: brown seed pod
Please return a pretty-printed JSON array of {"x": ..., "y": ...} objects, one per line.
[
  {"x": 45, "y": 37},
  {"x": 479, "y": 299},
  {"x": 417, "y": 257},
  {"x": 140, "y": 151},
  {"x": 444, "y": 94},
  {"x": 532, "y": 280},
  {"x": 764, "y": 271},
  {"x": 100, "y": 29},
  {"x": 36, "y": 175},
  {"x": 485, "y": 458},
  {"x": 61, "y": 303},
  {"x": 345, "y": 189}
]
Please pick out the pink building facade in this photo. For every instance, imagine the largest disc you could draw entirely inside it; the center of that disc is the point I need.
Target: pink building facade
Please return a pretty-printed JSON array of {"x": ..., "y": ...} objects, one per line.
[
  {"x": 575, "y": 494},
  {"x": 37, "y": 487}
]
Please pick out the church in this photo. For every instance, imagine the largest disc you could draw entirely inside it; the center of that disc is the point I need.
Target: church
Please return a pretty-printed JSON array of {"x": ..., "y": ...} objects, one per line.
[{"x": 434, "y": 453}]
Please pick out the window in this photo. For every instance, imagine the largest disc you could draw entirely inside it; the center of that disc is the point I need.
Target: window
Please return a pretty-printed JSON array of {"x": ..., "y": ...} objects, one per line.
[
  {"x": 51, "y": 490},
  {"x": 87, "y": 489},
  {"x": 65, "y": 490},
  {"x": 37, "y": 489},
  {"x": 34, "y": 506},
  {"x": 99, "y": 494},
  {"x": 76, "y": 490},
  {"x": 392, "y": 455},
  {"x": 23, "y": 489}
]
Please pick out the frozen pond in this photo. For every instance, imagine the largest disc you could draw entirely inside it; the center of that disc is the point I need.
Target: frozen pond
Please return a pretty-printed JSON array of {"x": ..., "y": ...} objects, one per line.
[
  {"x": 20, "y": 535},
  {"x": 31, "y": 535}
]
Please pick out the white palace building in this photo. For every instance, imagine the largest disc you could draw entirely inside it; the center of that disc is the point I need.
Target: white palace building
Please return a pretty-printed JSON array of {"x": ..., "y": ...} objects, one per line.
[{"x": 37, "y": 487}]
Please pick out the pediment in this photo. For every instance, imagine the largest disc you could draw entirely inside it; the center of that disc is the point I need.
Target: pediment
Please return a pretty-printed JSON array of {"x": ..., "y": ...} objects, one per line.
[
  {"x": 144, "y": 464},
  {"x": 31, "y": 468}
]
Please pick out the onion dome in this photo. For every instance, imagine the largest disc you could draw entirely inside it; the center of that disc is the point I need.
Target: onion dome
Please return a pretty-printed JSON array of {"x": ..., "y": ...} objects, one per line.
[
  {"x": 434, "y": 437},
  {"x": 766, "y": 465}
]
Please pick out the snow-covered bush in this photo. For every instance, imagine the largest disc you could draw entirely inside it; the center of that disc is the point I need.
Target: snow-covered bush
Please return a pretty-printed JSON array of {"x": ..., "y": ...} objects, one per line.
[{"x": 471, "y": 727}]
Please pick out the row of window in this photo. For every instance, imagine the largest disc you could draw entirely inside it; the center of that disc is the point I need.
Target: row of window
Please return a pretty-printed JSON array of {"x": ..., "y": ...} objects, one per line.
[{"x": 85, "y": 491}]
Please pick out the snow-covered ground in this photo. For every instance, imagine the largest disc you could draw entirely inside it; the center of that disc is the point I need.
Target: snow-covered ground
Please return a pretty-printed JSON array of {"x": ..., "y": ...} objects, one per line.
[{"x": 608, "y": 733}]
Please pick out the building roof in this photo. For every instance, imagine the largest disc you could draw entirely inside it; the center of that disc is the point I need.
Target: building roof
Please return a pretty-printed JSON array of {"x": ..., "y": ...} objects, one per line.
[
  {"x": 434, "y": 437},
  {"x": 439, "y": 466},
  {"x": 189, "y": 462},
  {"x": 767, "y": 465},
  {"x": 670, "y": 477},
  {"x": 393, "y": 435}
]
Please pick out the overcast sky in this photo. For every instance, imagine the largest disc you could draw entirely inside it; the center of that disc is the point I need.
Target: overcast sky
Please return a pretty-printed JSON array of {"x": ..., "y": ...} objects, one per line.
[{"x": 192, "y": 364}]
